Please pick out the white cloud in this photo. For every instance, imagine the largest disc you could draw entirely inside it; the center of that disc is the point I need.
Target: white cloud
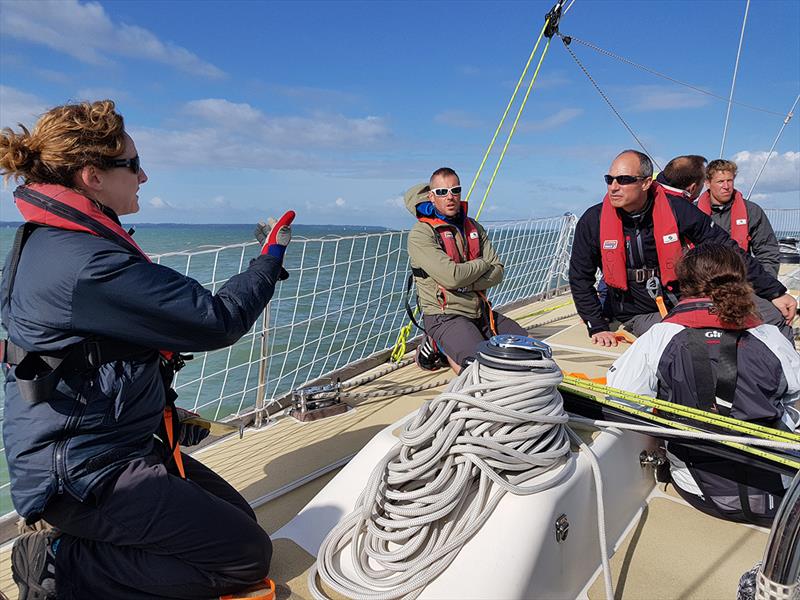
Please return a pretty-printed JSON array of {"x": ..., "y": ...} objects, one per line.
[
  {"x": 159, "y": 204},
  {"x": 340, "y": 202},
  {"x": 662, "y": 97},
  {"x": 318, "y": 129},
  {"x": 220, "y": 202},
  {"x": 782, "y": 173},
  {"x": 557, "y": 119},
  {"x": 19, "y": 107},
  {"x": 460, "y": 119},
  {"x": 85, "y": 32},
  {"x": 395, "y": 202}
]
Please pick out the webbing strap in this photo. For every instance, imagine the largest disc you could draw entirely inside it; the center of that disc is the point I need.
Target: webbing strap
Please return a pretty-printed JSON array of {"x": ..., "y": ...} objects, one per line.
[
  {"x": 409, "y": 312},
  {"x": 23, "y": 233},
  {"x": 701, "y": 365},
  {"x": 727, "y": 367},
  {"x": 710, "y": 385}
]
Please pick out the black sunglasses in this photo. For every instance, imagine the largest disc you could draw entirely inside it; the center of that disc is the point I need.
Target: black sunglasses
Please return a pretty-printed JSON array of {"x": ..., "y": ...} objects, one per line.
[
  {"x": 623, "y": 179},
  {"x": 442, "y": 192},
  {"x": 132, "y": 163}
]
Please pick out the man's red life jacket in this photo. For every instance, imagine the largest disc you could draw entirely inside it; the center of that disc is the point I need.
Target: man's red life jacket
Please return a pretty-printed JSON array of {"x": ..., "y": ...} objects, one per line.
[
  {"x": 740, "y": 229},
  {"x": 446, "y": 234},
  {"x": 612, "y": 241}
]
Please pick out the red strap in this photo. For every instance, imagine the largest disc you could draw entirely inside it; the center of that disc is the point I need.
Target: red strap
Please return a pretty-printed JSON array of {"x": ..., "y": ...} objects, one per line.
[
  {"x": 612, "y": 247},
  {"x": 667, "y": 235}
]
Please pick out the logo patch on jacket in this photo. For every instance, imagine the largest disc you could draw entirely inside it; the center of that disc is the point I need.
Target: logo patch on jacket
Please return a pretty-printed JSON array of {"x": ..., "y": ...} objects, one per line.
[
  {"x": 447, "y": 234},
  {"x": 670, "y": 237},
  {"x": 610, "y": 245},
  {"x": 741, "y": 221},
  {"x": 473, "y": 234}
]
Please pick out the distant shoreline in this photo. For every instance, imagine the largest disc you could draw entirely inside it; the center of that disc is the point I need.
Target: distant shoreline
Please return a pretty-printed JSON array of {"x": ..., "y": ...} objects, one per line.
[{"x": 173, "y": 225}]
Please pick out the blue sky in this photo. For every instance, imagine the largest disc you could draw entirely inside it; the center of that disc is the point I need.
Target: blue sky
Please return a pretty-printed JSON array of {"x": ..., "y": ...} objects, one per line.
[{"x": 244, "y": 109}]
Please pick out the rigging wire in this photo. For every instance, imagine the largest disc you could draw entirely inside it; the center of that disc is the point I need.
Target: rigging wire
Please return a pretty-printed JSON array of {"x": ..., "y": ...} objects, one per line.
[
  {"x": 775, "y": 143},
  {"x": 733, "y": 83},
  {"x": 603, "y": 95},
  {"x": 647, "y": 69}
]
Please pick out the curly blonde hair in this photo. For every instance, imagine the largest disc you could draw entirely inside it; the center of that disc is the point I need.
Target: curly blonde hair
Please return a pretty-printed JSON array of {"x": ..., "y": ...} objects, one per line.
[{"x": 64, "y": 140}]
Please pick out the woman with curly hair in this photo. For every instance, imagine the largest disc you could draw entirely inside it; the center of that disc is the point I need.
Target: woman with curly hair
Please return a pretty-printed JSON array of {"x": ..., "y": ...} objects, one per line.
[
  {"x": 712, "y": 352},
  {"x": 91, "y": 430}
]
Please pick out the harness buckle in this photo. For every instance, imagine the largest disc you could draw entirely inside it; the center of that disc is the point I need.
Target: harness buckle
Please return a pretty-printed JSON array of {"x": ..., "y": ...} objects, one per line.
[{"x": 92, "y": 354}]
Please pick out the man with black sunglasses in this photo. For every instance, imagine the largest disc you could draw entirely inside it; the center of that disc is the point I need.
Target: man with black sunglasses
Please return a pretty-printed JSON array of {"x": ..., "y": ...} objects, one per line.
[
  {"x": 635, "y": 236},
  {"x": 454, "y": 264}
]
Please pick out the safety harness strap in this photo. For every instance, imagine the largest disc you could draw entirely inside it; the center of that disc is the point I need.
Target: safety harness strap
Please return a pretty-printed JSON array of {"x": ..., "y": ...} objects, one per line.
[
  {"x": 37, "y": 374},
  {"x": 710, "y": 387}
]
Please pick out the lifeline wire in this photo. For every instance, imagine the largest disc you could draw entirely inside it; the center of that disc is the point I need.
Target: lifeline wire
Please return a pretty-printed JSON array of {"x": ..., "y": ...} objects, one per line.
[{"x": 492, "y": 431}]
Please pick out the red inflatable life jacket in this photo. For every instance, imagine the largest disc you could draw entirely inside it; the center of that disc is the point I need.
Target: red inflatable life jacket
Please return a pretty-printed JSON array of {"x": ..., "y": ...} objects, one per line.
[
  {"x": 699, "y": 313},
  {"x": 612, "y": 241},
  {"x": 740, "y": 228},
  {"x": 446, "y": 234},
  {"x": 58, "y": 206}
]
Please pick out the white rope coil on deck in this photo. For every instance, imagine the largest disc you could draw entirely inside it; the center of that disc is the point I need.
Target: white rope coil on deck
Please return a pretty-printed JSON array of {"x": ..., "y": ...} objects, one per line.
[{"x": 492, "y": 431}]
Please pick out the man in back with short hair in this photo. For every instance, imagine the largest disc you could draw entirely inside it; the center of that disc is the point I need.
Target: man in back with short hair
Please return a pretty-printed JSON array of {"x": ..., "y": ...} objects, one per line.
[
  {"x": 684, "y": 176},
  {"x": 454, "y": 264},
  {"x": 744, "y": 220}
]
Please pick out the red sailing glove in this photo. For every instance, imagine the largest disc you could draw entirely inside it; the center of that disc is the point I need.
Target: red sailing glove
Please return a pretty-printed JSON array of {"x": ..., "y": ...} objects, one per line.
[{"x": 279, "y": 236}]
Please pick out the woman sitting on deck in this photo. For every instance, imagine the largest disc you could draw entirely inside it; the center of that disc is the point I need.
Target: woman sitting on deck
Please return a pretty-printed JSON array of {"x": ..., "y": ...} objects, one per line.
[
  {"x": 713, "y": 353},
  {"x": 90, "y": 427}
]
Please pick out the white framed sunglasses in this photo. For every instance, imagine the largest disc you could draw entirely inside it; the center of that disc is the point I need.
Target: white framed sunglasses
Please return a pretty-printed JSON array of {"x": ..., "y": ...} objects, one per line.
[{"x": 442, "y": 192}]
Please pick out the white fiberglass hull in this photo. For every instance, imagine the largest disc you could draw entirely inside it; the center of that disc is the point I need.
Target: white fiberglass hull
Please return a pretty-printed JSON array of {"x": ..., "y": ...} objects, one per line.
[{"x": 515, "y": 554}]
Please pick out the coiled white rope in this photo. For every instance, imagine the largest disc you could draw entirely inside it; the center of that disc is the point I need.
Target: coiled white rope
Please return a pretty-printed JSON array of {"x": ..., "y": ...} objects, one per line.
[{"x": 492, "y": 431}]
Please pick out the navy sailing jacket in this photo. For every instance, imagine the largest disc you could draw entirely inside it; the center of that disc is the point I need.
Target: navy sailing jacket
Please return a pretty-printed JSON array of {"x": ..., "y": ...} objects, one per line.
[{"x": 72, "y": 285}]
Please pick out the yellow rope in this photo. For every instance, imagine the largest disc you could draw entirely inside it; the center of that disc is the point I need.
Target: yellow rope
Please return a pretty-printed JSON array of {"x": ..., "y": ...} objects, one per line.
[
  {"x": 505, "y": 114},
  {"x": 513, "y": 128},
  {"x": 778, "y": 458},
  {"x": 717, "y": 420}
]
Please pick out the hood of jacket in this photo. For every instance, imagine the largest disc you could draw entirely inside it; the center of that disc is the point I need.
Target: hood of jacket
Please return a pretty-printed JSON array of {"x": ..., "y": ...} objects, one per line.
[{"x": 416, "y": 194}]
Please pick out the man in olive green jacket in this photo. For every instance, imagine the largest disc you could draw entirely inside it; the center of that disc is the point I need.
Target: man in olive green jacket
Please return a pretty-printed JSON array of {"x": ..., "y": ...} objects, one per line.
[{"x": 454, "y": 264}]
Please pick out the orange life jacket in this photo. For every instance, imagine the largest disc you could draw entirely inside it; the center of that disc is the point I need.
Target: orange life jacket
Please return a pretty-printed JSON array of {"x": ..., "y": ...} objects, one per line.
[
  {"x": 612, "y": 241},
  {"x": 446, "y": 234}
]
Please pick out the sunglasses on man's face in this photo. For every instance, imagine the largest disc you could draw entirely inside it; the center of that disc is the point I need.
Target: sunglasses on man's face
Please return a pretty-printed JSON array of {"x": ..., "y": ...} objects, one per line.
[
  {"x": 623, "y": 179},
  {"x": 131, "y": 163},
  {"x": 442, "y": 192}
]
